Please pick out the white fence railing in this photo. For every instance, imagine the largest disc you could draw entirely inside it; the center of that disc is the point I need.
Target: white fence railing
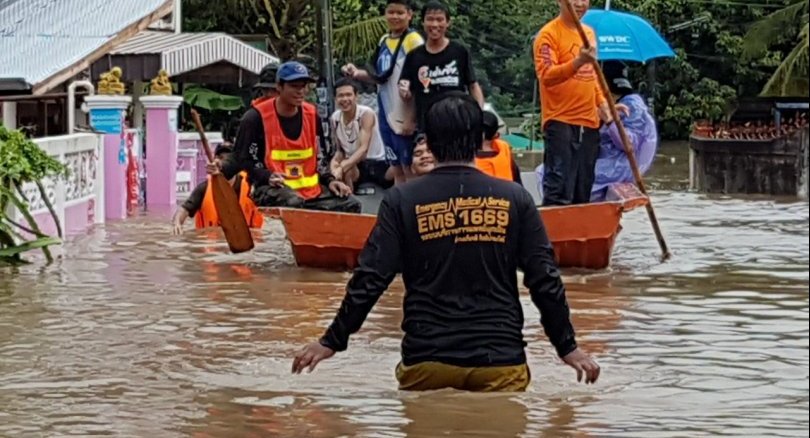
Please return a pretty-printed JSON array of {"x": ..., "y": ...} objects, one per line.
[{"x": 83, "y": 155}]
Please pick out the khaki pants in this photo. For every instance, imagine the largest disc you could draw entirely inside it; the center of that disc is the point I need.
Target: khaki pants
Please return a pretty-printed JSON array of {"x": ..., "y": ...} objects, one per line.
[{"x": 427, "y": 376}]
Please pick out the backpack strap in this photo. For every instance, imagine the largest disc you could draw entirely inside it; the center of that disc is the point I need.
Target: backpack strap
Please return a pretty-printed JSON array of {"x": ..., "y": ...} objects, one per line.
[{"x": 382, "y": 78}]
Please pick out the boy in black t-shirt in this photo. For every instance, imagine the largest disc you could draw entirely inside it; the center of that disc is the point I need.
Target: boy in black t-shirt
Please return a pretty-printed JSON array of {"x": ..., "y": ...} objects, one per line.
[{"x": 437, "y": 67}]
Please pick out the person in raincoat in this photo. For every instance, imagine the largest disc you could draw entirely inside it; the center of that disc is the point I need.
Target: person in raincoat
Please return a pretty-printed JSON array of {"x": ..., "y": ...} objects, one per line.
[{"x": 612, "y": 165}]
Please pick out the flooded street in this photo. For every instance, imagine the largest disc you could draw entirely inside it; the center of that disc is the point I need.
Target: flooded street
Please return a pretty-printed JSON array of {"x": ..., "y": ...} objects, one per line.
[{"x": 133, "y": 332}]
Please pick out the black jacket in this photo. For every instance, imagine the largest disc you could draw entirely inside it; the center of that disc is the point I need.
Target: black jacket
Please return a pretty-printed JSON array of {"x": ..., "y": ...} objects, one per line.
[{"x": 458, "y": 236}]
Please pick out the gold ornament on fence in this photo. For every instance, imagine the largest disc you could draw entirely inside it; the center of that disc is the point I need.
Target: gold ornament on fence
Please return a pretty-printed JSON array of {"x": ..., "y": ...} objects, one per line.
[
  {"x": 110, "y": 82},
  {"x": 160, "y": 85}
]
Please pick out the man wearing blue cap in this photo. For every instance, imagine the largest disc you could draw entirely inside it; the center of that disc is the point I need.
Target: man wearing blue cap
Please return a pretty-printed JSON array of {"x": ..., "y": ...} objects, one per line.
[{"x": 278, "y": 143}]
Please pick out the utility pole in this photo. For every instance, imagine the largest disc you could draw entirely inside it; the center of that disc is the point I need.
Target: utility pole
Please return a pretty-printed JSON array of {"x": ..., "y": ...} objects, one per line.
[{"x": 326, "y": 81}]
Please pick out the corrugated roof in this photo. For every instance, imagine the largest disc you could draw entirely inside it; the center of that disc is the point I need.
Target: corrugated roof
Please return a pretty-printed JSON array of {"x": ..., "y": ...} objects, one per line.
[
  {"x": 40, "y": 38},
  {"x": 184, "y": 52}
]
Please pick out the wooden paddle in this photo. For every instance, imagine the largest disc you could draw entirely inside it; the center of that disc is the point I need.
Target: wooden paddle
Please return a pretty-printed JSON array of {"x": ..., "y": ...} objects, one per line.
[
  {"x": 628, "y": 147},
  {"x": 226, "y": 203}
]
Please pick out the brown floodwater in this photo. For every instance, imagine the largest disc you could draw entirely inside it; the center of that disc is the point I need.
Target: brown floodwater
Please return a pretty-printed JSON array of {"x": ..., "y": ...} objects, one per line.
[{"x": 133, "y": 332}]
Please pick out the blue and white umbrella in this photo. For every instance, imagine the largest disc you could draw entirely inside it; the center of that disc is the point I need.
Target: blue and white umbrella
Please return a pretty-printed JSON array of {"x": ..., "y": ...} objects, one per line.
[{"x": 626, "y": 37}]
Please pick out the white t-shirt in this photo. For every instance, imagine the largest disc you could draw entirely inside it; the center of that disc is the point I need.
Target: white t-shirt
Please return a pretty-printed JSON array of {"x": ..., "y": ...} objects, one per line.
[{"x": 348, "y": 135}]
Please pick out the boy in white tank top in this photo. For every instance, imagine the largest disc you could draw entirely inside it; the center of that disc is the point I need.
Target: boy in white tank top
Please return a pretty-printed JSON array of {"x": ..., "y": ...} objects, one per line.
[{"x": 360, "y": 153}]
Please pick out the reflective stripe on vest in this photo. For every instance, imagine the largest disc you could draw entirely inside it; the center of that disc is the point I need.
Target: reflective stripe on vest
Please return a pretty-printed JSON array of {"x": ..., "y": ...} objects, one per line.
[
  {"x": 296, "y": 159},
  {"x": 301, "y": 183},
  {"x": 281, "y": 155}
]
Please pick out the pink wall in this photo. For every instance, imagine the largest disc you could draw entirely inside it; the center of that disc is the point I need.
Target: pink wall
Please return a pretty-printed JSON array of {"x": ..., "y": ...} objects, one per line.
[{"x": 78, "y": 218}]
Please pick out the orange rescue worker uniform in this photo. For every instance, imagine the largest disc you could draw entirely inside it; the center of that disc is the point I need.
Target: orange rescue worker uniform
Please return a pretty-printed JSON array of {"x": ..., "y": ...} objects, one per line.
[
  {"x": 207, "y": 215},
  {"x": 499, "y": 165},
  {"x": 297, "y": 158}
]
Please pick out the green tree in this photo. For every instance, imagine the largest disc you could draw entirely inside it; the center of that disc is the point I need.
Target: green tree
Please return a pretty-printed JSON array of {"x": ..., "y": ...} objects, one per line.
[
  {"x": 288, "y": 24},
  {"x": 789, "y": 24}
]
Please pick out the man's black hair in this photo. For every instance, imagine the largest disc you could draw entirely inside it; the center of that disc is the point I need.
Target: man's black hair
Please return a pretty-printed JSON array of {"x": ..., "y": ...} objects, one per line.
[
  {"x": 346, "y": 82},
  {"x": 406, "y": 3},
  {"x": 435, "y": 5},
  {"x": 454, "y": 127},
  {"x": 490, "y": 125}
]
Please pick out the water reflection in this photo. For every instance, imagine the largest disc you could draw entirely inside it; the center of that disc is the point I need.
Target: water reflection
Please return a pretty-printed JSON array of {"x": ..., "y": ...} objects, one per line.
[{"x": 135, "y": 333}]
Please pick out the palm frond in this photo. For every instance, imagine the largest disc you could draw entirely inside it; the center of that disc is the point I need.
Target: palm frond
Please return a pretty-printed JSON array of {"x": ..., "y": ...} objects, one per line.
[
  {"x": 358, "y": 39},
  {"x": 791, "y": 78},
  {"x": 770, "y": 29}
]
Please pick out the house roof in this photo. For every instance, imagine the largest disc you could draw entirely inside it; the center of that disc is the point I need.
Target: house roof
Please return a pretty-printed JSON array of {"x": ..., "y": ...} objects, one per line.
[
  {"x": 46, "y": 42},
  {"x": 183, "y": 52}
]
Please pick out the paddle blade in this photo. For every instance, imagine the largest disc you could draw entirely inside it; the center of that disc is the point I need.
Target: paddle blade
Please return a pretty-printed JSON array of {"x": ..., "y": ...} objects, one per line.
[{"x": 230, "y": 215}]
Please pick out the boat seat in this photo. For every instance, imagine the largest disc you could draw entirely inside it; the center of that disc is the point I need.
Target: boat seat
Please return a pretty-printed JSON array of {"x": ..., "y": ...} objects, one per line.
[{"x": 370, "y": 196}]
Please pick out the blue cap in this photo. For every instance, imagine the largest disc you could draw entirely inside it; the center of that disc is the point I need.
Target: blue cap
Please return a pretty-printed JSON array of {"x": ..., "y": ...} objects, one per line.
[{"x": 293, "y": 71}]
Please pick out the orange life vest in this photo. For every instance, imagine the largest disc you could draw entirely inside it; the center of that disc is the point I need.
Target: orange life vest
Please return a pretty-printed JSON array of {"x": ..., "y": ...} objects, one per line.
[
  {"x": 297, "y": 159},
  {"x": 207, "y": 216},
  {"x": 500, "y": 165}
]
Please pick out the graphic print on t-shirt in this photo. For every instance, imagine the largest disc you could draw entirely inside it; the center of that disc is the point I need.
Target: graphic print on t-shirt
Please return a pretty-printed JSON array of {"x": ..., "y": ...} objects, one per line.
[
  {"x": 465, "y": 219},
  {"x": 440, "y": 76}
]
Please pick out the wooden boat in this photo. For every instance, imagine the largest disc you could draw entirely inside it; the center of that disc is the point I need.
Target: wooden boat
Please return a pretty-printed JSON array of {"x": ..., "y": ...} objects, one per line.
[{"x": 583, "y": 235}]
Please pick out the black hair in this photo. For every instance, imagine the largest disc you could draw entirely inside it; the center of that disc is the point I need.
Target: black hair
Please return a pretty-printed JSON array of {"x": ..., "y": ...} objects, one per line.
[
  {"x": 435, "y": 5},
  {"x": 454, "y": 128},
  {"x": 406, "y": 3},
  {"x": 346, "y": 82},
  {"x": 490, "y": 125}
]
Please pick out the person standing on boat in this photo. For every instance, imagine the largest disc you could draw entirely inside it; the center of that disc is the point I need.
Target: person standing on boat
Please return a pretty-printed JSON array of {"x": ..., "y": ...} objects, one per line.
[
  {"x": 200, "y": 203},
  {"x": 612, "y": 165},
  {"x": 495, "y": 157},
  {"x": 397, "y": 117},
  {"x": 438, "y": 67},
  {"x": 360, "y": 155},
  {"x": 572, "y": 107},
  {"x": 278, "y": 143},
  {"x": 458, "y": 236}
]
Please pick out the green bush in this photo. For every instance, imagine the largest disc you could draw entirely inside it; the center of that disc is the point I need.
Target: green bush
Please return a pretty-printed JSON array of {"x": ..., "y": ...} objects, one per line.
[{"x": 22, "y": 161}]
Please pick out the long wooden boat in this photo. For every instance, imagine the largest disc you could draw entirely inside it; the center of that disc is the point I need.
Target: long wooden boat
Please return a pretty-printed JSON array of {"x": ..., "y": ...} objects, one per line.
[{"x": 583, "y": 235}]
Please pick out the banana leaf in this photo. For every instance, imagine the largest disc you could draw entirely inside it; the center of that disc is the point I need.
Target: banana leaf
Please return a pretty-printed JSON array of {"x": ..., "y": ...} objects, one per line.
[
  {"x": 42, "y": 242},
  {"x": 211, "y": 100}
]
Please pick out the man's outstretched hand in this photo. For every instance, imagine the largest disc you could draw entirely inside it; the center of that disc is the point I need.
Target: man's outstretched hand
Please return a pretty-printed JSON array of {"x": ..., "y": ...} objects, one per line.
[
  {"x": 584, "y": 366},
  {"x": 310, "y": 356}
]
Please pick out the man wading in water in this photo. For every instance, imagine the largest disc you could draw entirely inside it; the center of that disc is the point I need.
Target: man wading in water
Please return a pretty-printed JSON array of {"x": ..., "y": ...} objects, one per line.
[{"x": 458, "y": 236}]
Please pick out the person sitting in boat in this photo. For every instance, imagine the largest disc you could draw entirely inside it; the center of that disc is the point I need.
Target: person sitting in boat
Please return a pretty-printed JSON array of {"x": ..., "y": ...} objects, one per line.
[
  {"x": 200, "y": 203},
  {"x": 423, "y": 161},
  {"x": 495, "y": 157},
  {"x": 612, "y": 165},
  {"x": 458, "y": 236},
  {"x": 360, "y": 154},
  {"x": 278, "y": 145}
]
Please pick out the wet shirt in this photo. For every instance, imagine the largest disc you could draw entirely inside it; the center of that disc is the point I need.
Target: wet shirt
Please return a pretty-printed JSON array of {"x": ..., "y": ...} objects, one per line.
[
  {"x": 458, "y": 237},
  {"x": 250, "y": 148},
  {"x": 433, "y": 74}
]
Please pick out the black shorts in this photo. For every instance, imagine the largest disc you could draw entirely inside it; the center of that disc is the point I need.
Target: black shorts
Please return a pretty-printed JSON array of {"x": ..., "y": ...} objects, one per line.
[{"x": 373, "y": 171}]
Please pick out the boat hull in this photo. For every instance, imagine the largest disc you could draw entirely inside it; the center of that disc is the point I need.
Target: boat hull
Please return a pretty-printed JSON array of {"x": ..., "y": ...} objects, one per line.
[{"x": 583, "y": 236}]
